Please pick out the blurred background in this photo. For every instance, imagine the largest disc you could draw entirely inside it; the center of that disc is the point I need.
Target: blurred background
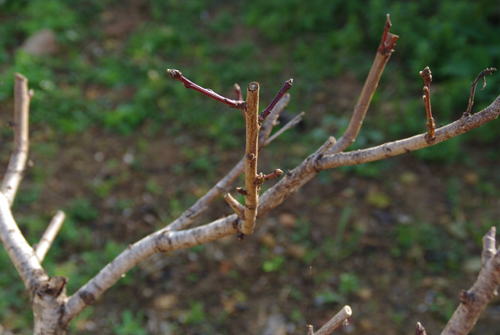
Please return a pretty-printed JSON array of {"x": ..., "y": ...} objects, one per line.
[{"x": 124, "y": 150}]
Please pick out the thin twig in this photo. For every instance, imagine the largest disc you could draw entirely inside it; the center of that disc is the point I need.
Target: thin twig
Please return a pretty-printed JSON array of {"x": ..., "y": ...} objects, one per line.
[
  {"x": 286, "y": 86},
  {"x": 238, "y": 208},
  {"x": 251, "y": 158},
  {"x": 482, "y": 75},
  {"x": 239, "y": 97},
  {"x": 272, "y": 119},
  {"x": 287, "y": 126},
  {"x": 335, "y": 322},
  {"x": 261, "y": 178},
  {"x": 427, "y": 77},
  {"x": 176, "y": 74},
  {"x": 49, "y": 235},
  {"x": 17, "y": 163}
]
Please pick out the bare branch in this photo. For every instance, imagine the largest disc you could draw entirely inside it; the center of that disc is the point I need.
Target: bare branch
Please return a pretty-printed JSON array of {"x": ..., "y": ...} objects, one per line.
[
  {"x": 474, "y": 84},
  {"x": 251, "y": 158},
  {"x": 335, "y": 322},
  {"x": 17, "y": 164},
  {"x": 287, "y": 126},
  {"x": 420, "y": 330},
  {"x": 20, "y": 252},
  {"x": 160, "y": 241},
  {"x": 272, "y": 120},
  {"x": 176, "y": 74},
  {"x": 392, "y": 149},
  {"x": 223, "y": 185},
  {"x": 238, "y": 208},
  {"x": 473, "y": 301},
  {"x": 381, "y": 58},
  {"x": 49, "y": 235},
  {"x": 489, "y": 249},
  {"x": 286, "y": 86},
  {"x": 427, "y": 77}
]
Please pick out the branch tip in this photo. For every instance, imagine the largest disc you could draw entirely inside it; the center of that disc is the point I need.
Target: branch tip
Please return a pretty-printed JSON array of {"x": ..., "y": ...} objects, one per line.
[
  {"x": 431, "y": 124},
  {"x": 420, "y": 330},
  {"x": 286, "y": 86},
  {"x": 176, "y": 74}
]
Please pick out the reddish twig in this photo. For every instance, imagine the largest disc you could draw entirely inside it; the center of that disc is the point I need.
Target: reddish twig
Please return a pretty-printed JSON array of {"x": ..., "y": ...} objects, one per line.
[
  {"x": 388, "y": 40},
  {"x": 261, "y": 178},
  {"x": 176, "y": 74},
  {"x": 474, "y": 84},
  {"x": 286, "y": 86},
  {"x": 427, "y": 77}
]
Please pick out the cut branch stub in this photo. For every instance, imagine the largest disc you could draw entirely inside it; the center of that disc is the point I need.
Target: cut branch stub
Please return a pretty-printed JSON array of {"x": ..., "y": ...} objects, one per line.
[
  {"x": 420, "y": 330},
  {"x": 176, "y": 74},
  {"x": 251, "y": 152},
  {"x": 427, "y": 77}
]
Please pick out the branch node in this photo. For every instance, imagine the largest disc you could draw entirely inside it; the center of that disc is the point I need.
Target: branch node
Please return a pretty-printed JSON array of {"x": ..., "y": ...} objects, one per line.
[
  {"x": 466, "y": 297},
  {"x": 241, "y": 191}
]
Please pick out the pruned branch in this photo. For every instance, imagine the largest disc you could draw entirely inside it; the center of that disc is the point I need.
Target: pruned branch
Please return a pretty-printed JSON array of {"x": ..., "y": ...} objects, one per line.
[
  {"x": 477, "y": 297},
  {"x": 251, "y": 159},
  {"x": 223, "y": 185},
  {"x": 19, "y": 157},
  {"x": 381, "y": 58},
  {"x": 338, "y": 320}
]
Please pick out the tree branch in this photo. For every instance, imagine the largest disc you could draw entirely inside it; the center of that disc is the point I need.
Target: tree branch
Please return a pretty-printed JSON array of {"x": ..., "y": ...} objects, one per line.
[
  {"x": 477, "y": 297},
  {"x": 176, "y": 74},
  {"x": 17, "y": 163},
  {"x": 223, "y": 185},
  {"x": 161, "y": 241},
  {"x": 286, "y": 86},
  {"x": 49, "y": 235},
  {"x": 251, "y": 158},
  {"x": 391, "y": 149},
  {"x": 20, "y": 252},
  {"x": 381, "y": 58},
  {"x": 335, "y": 322}
]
